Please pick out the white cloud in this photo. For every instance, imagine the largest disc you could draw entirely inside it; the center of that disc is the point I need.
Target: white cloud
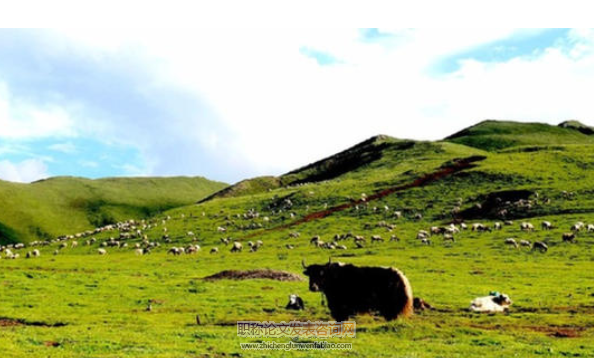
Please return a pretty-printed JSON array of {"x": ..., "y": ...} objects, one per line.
[
  {"x": 20, "y": 118},
  {"x": 23, "y": 172},
  {"x": 271, "y": 109}
]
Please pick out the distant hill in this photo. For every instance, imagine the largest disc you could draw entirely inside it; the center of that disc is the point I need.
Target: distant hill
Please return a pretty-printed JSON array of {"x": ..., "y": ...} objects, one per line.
[
  {"x": 578, "y": 126},
  {"x": 494, "y": 135},
  {"x": 328, "y": 168},
  {"x": 65, "y": 205},
  {"x": 60, "y": 205},
  {"x": 488, "y": 135}
]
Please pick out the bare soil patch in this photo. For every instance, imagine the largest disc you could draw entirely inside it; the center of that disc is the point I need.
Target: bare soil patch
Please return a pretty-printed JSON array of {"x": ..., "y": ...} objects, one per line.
[
  {"x": 11, "y": 322},
  {"x": 255, "y": 274}
]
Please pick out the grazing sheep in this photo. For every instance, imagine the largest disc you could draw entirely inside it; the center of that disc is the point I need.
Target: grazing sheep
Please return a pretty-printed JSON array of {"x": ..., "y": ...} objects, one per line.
[
  {"x": 315, "y": 240},
  {"x": 192, "y": 249},
  {"x": 577, "y": 226},
  {"x": 452, "y": 229},
  {"x": 101, "y": 251},
  {"x": 541, "y": 246},
  {"x": 569, "y": 237},
  {"x": 289, "y": 246},
  {"x": 139, "y": 252},
  {"x": 590, "y": 228},
  {"x": 394, "y": 238},
  {"x": 511, "y": 242},
  {"x": 422, "y": 234},
  {"x": 497, "y": 226},
  {"x": 175, "y": 251},
  {"x": 525, "y": 243},
  {"x": 478, "y": 227},
  {"x": 425, "y": 241},
  {"x": 508, "y": 223},
  {"x": 237, "y": 247},
  {"x": 376, "y": 238},
  {"x": 448, "y": 237},
  {"x": 526, "y": 226},
  {"x": 546, "y": 225},
  {"x": 214, "y": 250}
]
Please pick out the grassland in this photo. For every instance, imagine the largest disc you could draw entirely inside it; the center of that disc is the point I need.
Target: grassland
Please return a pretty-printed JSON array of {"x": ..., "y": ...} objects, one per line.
[
  {"x": 62, "y": 205},
  {"x": 101, "y": 300},
  {"x": 496, "y": 135}
]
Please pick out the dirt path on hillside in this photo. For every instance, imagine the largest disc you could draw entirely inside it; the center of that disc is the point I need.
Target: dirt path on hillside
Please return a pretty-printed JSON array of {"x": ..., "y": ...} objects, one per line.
[{"x": 444, "y": 171}]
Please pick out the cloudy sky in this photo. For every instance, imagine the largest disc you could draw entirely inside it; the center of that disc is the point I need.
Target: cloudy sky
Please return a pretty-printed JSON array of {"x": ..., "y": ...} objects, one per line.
[{"x": 231, "y": 104}]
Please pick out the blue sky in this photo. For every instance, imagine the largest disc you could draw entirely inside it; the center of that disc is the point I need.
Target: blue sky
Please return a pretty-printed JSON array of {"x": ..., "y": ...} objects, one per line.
[{"x": 232, "y": 104}]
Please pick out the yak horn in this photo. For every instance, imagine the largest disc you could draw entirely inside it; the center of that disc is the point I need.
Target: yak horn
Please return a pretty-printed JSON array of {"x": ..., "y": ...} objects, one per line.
[
  {"x": 303, "y": 263},
  {"x": 329, "y": 260}
]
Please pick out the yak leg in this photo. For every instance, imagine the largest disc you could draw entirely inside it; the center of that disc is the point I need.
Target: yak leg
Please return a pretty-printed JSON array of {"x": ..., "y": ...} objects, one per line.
[
  {"x": 388, "y": 311},
  {"x": 389, "y": 314},
  {"x": 340, "y": 314}
]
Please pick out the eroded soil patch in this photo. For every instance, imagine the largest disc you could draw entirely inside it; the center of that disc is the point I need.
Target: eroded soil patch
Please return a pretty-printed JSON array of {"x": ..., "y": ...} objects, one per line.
[
  {"x": 255, "y": 274},
  {"x": 11, "y": 322}
]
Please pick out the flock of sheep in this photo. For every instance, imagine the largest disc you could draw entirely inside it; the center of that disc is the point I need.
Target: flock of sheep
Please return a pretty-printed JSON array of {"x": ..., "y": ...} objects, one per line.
[
  {"x": 138, "y": 230},
  {"x": 132, "y": 229}
]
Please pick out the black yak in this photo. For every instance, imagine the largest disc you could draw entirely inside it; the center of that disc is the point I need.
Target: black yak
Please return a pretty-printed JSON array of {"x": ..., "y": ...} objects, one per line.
[{"x": 350, "y": 290}]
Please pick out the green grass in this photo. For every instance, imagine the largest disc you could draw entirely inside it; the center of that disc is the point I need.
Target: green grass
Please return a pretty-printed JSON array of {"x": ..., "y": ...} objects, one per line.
[
  {"x": 102, "y": 299},
  {"x": 63, "y": 205},
  {"x": 495, "y": 135}
]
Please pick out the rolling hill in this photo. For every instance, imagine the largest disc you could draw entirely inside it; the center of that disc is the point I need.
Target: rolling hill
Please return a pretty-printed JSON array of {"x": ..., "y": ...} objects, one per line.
[
  {"x": 60, "y": 205},
  {"x": 519, "y": 162},
  {"x": 494, "y": 135},
  {"x": 349, "y": 160},
  {"x": 53, "y": 207}
]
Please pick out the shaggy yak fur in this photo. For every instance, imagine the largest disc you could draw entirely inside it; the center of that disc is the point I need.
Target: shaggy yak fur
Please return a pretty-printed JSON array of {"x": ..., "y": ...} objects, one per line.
[{"x": 350, "y": 290}]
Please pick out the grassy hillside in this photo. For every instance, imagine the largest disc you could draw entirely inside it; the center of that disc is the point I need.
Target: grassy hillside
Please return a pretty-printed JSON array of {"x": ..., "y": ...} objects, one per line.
[
  {"x": 495, "y": 135},
  {"x": 246, "y": 187},
  {"x": 578, "y": 126},
  {"x": 53, "y": 207},
  {"x": 348, "y": 161},
  {"x": 101, "y": 300}
]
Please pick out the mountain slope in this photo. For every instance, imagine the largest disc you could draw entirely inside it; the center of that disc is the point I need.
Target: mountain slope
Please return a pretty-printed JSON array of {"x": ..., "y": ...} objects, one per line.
[
  {"x": 578, "y": 126},
  {"x": 52, "y": 207},
  {"x": 543, "y": 171},
  {"x": 347, "y": 161},
  {"x": 496, "y": 135}
]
